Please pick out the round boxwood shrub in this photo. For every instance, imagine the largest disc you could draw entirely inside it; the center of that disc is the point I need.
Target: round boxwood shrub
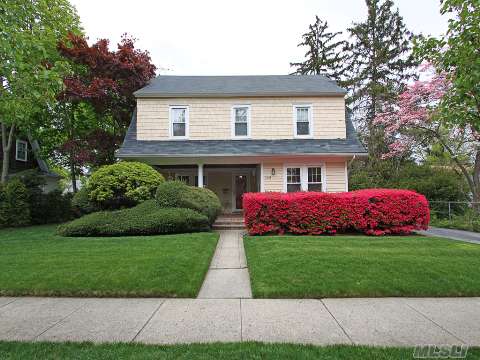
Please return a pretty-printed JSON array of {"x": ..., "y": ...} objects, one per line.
[
  {"x": 148, "y": 218},
  {"x": 173, "y": 194},
  {"x": 123, "y": 184}
]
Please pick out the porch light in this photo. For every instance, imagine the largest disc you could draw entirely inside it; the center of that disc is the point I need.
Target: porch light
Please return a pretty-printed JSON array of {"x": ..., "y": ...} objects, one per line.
[{"x": 273, "y": 171}]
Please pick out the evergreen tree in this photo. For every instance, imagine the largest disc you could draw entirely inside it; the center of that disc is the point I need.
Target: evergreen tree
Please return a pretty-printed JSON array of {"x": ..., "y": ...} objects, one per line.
[
  {"x": 380, "y": 64},
  {"x": 325, "y": 54}
]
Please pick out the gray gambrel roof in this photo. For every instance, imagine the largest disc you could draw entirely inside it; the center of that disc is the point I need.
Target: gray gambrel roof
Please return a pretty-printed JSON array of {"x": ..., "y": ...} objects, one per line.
[
  {"x": 132, "y": 147},
  {"x": 231, "y": 86}
]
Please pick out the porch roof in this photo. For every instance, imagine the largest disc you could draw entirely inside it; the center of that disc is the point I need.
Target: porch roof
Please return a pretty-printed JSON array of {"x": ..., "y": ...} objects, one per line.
[{"x": 132, "y": 147}]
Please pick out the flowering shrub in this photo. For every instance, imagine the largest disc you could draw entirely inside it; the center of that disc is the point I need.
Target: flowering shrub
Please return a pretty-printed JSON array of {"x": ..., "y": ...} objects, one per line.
[{"x": 372, "y": 211}]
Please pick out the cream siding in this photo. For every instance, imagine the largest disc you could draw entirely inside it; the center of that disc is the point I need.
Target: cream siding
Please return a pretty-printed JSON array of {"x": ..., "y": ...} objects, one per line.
[
  {"x": 271, "y": 118},
  {"x": 273, "y": 182},
  {"x": 336, "y": 176}
]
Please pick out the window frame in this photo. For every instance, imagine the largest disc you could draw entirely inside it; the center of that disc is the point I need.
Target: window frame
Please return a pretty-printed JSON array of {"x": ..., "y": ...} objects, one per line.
[
  {"x": 295, "y": 183},
  {"x": 315, "y": 182},
  {"x": 187, "y": 121},
  {"x": 233, "y": 121},
  {"x": 304, "y": 174},
  {"x": 23, "y": 142},
  {"x": 310, "y": 121}
]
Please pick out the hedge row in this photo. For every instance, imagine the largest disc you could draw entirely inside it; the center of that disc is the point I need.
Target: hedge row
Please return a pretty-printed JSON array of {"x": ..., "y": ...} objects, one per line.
[
  {"x": 373, "y": 212},
  {"x": 148, "y": 218}
]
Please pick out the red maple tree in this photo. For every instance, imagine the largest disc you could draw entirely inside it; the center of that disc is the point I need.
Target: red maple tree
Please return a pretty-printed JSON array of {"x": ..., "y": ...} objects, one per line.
[{"x": 107, "y": 80}]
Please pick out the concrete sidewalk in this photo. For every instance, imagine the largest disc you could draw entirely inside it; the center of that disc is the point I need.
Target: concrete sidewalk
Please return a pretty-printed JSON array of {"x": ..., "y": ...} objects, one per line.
[
  {"x": 228, "y": 276},
  {"x": 460, "y": 235},
  {"x": 381, "y": 321}
]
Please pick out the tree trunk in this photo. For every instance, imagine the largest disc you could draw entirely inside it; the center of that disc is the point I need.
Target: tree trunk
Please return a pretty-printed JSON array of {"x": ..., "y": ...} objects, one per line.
[
  {"x": 476, "y": 182},
  {"x": 6, "y": 147},
  {"x": 73, "y": 174}
]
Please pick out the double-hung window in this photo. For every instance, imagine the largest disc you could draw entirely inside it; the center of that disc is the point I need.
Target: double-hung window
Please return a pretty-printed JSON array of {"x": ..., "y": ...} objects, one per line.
[
  {"x": 241, "y": 121},
  {"x": 304, "y": 178},
  {"x": 314, "y": 179},
  {"x": 302, "y": 120},
  {"x": 294, "y": 182},
  {"x": 179, "y": 122},
  {"x": 21, "y": 150}
]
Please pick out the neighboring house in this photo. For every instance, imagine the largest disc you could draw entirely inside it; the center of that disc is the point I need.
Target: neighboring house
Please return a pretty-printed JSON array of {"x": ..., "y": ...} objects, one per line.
[
  {"x": 24, "y": 155},
  {"x": 236, "y": 134}
]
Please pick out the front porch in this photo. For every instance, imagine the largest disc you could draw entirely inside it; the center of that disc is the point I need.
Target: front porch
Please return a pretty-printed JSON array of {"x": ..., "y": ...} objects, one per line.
[{"x": 229, "y": 182}]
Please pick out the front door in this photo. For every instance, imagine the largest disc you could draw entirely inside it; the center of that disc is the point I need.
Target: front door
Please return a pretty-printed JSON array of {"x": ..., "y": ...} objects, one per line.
[{"x": 240, "y": 183}]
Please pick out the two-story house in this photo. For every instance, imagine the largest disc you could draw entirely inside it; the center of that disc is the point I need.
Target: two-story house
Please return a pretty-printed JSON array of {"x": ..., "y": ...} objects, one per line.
[{"x": 237, "y": 134}]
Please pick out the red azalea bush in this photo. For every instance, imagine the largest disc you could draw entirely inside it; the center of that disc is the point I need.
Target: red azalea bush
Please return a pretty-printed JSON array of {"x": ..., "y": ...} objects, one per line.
[{"x": 372, "y": 211}]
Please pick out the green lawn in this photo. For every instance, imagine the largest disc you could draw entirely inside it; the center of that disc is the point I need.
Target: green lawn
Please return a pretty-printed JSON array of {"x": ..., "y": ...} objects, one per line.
[
  {"x": 361, "y": 266},
  {"x": 230, "y": 351},
  {"x": 35, "y": 261}
]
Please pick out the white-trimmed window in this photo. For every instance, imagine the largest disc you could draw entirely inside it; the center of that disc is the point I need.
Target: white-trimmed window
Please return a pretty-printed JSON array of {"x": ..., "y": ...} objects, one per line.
[
  {"x": 183, "y": 178},
  {"x": 314, "y": 179},
  {"x": 303, "y": 125},
  {"x": 179, "y": 122},
  {"x": 21, "y": 149},
  {"x": 304, "y": 178},
  {"x": 241, "y": 121},
  {"x": 294, "y": 182}
]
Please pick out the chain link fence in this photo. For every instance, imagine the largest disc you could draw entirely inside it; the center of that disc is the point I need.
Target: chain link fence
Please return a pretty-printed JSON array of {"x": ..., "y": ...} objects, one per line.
[{"x": 450, "y": 209}]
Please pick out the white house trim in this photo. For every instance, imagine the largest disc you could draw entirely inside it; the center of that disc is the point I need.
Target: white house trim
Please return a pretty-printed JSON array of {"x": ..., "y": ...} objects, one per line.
[
  {"x": 232, "y": 121},
  {"x": 200, "y": 175},
  {"x": 310, "y": 121},
  {"x": 346, "y": 175},
  {"x": 26, "y": 150},
  {"x": 262, "y": 178},
  {"x": 187, "y": 121}
]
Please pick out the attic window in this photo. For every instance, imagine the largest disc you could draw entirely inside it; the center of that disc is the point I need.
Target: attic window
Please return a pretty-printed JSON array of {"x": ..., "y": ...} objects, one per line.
[{"x": 21, "y": 150}]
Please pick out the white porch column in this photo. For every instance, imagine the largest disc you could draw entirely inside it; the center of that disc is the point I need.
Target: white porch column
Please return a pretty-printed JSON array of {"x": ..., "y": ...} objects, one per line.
[
  {"x": 262, "y": 177},
  {"x": 200, "y": 175}
]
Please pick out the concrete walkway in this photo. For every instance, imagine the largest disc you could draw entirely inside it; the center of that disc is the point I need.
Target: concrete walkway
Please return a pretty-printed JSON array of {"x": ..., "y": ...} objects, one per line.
[
  {"x": 382, "y": 321},
  {"x": 228, "y": 276},
  {"x": 460, "y": 235}
]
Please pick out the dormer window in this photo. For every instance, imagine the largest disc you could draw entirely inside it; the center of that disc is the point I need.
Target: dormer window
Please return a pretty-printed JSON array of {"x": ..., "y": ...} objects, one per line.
[
  {"x": 241, "y": 121},
  {"x": 179, "y": 122},
  {"x": 302, "y": 121},
  {"x": 21, "y": 150}
]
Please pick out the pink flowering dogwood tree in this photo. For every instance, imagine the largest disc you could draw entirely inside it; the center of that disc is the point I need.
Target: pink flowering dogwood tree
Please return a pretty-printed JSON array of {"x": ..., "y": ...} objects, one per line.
[{"x": 415, "y": 122}]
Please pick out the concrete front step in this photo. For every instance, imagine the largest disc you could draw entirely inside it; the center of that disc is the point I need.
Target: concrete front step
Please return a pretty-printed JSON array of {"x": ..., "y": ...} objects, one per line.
[
  {"x": 228, "y": 227},
  {"x": 229, "y": 222}
]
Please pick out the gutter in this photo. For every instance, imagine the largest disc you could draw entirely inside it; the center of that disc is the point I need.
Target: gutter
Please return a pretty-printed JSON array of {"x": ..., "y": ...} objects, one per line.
[
  {"x": 234, "y": 95},
  {"x": 240, "y": 155}
]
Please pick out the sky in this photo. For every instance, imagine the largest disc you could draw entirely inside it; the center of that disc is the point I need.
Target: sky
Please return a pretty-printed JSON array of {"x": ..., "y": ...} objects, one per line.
[{"x": 247, "y": 37}]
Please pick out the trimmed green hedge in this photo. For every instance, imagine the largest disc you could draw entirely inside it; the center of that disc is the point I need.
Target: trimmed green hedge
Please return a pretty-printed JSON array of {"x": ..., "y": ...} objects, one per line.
[
  {"x": 14, "y": 207},
  {"x": 176, "y": 194},
  {"x": 147, "y": 218},
  {"x": 123, "y": 184}
]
